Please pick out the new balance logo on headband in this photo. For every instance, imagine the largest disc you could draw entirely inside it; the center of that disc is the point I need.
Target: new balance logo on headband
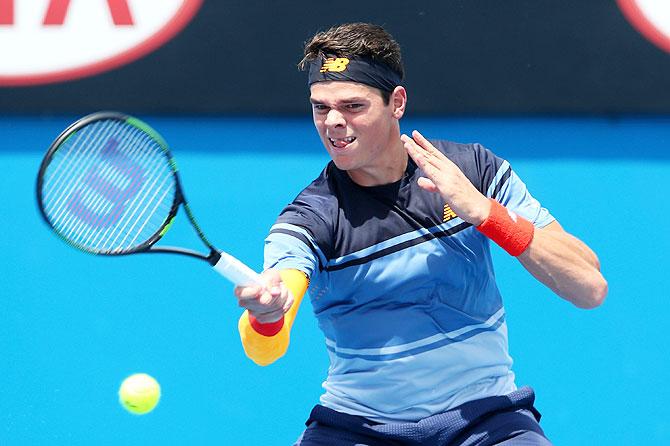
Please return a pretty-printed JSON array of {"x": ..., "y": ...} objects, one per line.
[
  {"x": 353, "y": 69},
  {"x": 334, "y": 64}
]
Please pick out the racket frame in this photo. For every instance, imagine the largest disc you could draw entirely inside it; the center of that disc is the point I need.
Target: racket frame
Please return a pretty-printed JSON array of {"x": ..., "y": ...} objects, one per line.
[
  {"x": 222, "y": 262},
  {"x": 179, "y": 200}
]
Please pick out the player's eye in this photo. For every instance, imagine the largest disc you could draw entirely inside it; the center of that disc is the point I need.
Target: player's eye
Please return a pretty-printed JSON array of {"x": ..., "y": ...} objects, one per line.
[
  {"x": 320, "y": 108},
  {"x": 354, "y": 106}
]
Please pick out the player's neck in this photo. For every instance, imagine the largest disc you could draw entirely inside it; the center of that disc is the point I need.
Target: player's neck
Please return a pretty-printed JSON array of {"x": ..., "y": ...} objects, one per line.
[{"x": 391, "y": 170}]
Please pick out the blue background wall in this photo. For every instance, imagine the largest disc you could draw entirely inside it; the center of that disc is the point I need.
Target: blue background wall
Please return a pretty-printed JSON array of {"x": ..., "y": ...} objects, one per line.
[{"x": 72, "y": 325}]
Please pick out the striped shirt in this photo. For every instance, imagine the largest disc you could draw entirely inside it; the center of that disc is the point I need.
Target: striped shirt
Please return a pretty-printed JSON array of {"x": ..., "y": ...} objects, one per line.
[{"x": 402, "y": 288}]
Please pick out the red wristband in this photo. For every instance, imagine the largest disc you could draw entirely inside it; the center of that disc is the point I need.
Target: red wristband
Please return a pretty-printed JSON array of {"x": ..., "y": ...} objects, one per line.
[
  {"x": 267, "y": 329},
  {"x": 512, "y": 232}
]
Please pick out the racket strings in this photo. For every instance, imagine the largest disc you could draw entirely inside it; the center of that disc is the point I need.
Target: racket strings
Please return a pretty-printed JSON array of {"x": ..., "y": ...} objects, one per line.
[
  {"x": 109, "y": 239},
  {"x": 91, "y": 198},
  {"x": 59, "y": 186},
  {"x": 105, "y": 232},
  {"x": 109, "y": 187}
]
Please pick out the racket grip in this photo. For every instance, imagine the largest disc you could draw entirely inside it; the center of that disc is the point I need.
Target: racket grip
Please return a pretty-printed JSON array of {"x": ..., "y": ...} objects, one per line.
[
  {"x": 236, "y": 271},
  {"x": 240, "y": 274}
]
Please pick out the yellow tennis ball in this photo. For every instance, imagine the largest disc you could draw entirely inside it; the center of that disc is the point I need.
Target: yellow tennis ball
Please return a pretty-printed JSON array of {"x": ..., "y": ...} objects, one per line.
[{"x": 139, "y": 393}]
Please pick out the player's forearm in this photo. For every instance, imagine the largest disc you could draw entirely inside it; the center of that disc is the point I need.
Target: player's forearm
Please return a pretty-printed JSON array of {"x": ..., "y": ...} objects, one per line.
[
  {"x": 265, "y": 350},
  {"x": 566, "y": 265}
]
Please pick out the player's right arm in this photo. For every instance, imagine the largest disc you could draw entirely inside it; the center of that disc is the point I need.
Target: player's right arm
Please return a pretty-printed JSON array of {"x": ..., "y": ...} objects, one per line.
[
  {"x": 281, "y": 297},
  {"x": 293, "y": 258}
]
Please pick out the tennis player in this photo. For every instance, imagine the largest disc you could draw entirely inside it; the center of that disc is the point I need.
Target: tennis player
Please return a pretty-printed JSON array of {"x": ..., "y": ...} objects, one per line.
[{"x": 393, "y": 241}]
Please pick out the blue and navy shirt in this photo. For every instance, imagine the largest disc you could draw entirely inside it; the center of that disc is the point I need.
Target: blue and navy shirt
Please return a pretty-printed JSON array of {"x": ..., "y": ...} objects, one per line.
[{"x": 403, "y": 289}]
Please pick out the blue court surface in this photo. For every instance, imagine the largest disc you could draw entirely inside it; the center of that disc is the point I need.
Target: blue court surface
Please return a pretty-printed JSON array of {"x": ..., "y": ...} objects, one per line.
[{"x": 73, "y": 325}]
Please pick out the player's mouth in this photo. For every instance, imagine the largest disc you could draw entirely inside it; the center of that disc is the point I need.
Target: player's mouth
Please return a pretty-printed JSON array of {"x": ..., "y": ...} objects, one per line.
[{"x": 341, "y": 143}]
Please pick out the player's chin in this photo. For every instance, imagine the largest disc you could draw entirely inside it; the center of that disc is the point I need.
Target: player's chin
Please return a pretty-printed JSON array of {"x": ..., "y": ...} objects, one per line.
[
  {"x": 344, "y": 163},
  {"x": 344, "y": 158}
]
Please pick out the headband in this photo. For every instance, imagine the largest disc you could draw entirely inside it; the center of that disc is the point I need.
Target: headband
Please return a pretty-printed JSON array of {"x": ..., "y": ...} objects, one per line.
[{"x": 363, "y": 70}]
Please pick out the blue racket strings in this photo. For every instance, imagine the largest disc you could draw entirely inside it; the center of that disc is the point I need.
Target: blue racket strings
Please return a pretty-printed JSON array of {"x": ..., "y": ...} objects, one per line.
[{"x": 109, "y": 188}]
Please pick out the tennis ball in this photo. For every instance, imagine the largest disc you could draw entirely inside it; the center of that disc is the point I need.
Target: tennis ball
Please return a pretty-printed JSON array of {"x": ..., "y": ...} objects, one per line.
[{"x": 139, "y": 393}]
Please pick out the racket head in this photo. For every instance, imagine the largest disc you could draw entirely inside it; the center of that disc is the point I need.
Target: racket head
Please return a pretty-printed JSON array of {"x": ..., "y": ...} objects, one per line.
[{"x": 108, "y": 185}]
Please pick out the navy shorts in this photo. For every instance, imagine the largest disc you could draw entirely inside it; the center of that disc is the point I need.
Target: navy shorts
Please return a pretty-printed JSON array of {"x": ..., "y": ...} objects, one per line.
[{"x": 500, "y": 420}]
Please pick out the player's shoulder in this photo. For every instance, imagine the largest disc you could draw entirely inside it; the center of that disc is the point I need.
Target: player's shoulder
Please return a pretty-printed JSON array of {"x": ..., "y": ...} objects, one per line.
[
  {"x": 464, "y": 153},
  {"x": 314, "y": 210},
  {"x": 459, "y": 151},
  {"x": 317, "y": 202},
  {"x": 320, "y": 190}
]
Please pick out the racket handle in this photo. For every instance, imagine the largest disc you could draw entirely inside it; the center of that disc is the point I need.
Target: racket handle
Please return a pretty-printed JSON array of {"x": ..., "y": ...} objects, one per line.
[
  {"x": 240, "y": 274},
  {"x": 236, "y": 271}
]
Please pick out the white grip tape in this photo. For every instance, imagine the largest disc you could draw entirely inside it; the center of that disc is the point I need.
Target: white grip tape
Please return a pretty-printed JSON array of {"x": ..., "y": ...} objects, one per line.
[{"x": 236, "y": 271}]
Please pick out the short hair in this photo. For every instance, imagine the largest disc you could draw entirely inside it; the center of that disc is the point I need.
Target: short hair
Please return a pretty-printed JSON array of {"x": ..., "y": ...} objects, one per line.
[{"x": 351, "y": 40}]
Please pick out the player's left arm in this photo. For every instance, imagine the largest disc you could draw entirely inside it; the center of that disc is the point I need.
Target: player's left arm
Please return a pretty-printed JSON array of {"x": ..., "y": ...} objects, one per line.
[
  {"x": 566, "y": 265},
  {"x": 554, "y": 257}
]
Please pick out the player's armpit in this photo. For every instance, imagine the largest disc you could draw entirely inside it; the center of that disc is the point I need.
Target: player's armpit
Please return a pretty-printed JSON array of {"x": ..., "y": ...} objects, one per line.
[{"x": 265, "y": 350}]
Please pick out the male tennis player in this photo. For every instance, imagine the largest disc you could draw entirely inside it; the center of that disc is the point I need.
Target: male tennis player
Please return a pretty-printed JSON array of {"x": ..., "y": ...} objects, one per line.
[{"x": 393, "y": 239}]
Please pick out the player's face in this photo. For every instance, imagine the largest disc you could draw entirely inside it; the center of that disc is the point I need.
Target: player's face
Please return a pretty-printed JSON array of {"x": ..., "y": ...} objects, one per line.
[{"x": 356, "y": 127}]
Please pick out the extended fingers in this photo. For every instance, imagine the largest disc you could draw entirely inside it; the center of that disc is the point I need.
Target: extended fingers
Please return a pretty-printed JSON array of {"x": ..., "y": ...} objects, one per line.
[
  {"x": 422, "y": 141},
  {"x": 422, "y": 158},
  {"x": 414, "y": 150},
  {"x": 428, "y": 147},
  {"x": 420, "y": 149}
]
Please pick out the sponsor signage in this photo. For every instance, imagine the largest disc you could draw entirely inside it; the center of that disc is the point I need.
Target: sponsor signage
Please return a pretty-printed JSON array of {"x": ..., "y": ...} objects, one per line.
[
  {"x": 45, "y": 41},
  {"x": 651, "y": 18}
]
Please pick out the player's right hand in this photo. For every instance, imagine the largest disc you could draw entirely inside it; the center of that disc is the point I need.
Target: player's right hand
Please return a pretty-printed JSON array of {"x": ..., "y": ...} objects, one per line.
[{"x": 266, "y": 303}]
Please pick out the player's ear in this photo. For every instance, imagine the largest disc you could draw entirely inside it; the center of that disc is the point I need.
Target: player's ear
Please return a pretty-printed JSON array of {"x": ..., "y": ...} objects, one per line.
[{"x": 399, "y": 101}]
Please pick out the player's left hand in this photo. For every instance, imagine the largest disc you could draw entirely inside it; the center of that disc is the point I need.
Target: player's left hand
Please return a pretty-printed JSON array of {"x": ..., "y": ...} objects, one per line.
[{"x": 444, "y": 177}]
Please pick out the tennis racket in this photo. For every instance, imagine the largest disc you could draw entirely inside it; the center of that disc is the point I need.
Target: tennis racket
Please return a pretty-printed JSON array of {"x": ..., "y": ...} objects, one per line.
[{"x": 108, "y": 185}]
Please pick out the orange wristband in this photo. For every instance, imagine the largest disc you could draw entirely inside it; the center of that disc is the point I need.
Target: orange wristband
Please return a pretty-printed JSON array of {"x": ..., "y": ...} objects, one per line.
[{"x": 512, "y": 232}]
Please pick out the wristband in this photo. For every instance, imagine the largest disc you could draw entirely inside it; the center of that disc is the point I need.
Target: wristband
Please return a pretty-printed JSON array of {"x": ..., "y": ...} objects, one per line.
[
  {"x": 267, "y": 329},
  {"x": 512, "y": 232}
]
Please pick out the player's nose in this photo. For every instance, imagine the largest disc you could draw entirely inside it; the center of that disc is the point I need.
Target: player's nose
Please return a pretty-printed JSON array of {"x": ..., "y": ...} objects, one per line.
[{"x": 334, "y": 119}]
